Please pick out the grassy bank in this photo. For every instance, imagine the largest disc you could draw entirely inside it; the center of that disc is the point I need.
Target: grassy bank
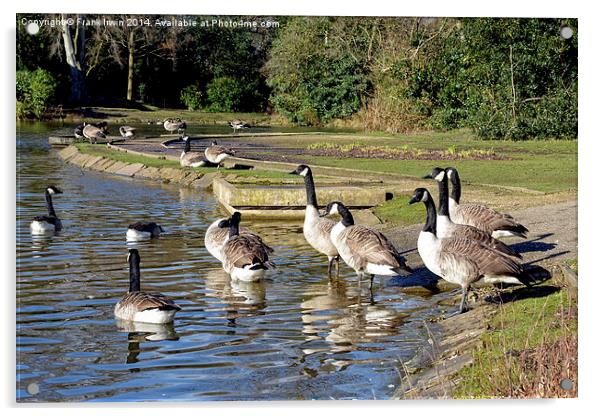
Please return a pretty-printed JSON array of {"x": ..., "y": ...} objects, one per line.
[{"x": 530, "y": 348}]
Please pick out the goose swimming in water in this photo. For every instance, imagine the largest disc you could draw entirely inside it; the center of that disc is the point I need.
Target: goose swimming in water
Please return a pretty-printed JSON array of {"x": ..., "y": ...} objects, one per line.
[
  {"x": 216, "y": 153},
  {"x": 460, "y": 260},
  {"x": 43, "y": 224},
  {"x": 127, "y": 131},
  {"x": 138, "y": 306},
  {"x": 496, "y": 224},
  {"x": 244, "y": 257},
  {"x": 317, "y": 229},
  {"x": 216, "y": 237},
  {"x": 172, "y": 125},
  {"x": 191, "y": 159},
  {"x": 143, "y": 230},
  {"x": 365, "y": 250},
  {"x": 447, "y": 228}
]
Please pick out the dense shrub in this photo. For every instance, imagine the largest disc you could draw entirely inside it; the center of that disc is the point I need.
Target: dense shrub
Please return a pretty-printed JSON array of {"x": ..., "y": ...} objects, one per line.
[
  {"x": 191, "y": 97},
  {"x": 225, "y": 94},
  {"x": 34, "y": 91}
]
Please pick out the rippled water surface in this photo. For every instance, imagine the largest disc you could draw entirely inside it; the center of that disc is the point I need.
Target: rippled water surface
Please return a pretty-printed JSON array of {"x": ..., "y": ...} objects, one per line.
[{"x": 298, "y": 335}]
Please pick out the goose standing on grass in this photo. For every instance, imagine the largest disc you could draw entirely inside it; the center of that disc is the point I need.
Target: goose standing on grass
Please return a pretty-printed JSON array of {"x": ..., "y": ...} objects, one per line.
[
  {"x": 245, "y": 257},
  {"x": 238, "y": 125},
  {"x": 43, "y": 224},
  {"x": 143, "y": 230},
  {"x": 172, "y": 125},
  {"x": 364, "y": 249},
  {"x": 192, "y": 159},
  {"x": 447, "y": 228},
  {"x": 460, "y": 260},
  {"x": 153, "y": 308},
  {"x": 127, "y": 131},
  {"x": 216, "y": 153},
  {"x": 93, "y": 133},
  {"x": 216, "y": 237},
  {"x": 316, "y": 229},
  {"x": 494, "y": 223}
]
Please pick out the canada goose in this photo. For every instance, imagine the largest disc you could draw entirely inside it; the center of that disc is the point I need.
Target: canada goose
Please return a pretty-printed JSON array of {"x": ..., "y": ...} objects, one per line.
[
  {"x": 143, "y": 230},
  {"x": 216, "y": 237},
  {"x": 460, "y": 260},
  {"x": 172, "y": 125},
  {"x": 447, "y": 228},
  {"x": 316, "y": 229},
  {"x": 496, "y": 224},
  {"x": 153, "y": 308},
  {"x": 216, "y": 153},
  {"x": 244, "y": 257},
  {"x": 365, "y": 250},
  {"x": 43, "y": 224},
  {"x": 93, "y": 133},
  {"x": 192, "y": 159},
  {"x": 127, "y": 131},
  {"x": 238, "y": 125}
]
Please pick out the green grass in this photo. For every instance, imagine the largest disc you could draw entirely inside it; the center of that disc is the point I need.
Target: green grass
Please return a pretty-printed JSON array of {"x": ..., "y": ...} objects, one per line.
[
  {"x": 397, "y": 211},
  {"x": 519, "y": 326}
]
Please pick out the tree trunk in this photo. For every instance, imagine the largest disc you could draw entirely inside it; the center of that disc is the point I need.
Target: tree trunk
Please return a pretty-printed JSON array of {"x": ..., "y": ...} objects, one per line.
[
  {"x": 74, "y": 59},
  {"x": 130, "y": 66}
]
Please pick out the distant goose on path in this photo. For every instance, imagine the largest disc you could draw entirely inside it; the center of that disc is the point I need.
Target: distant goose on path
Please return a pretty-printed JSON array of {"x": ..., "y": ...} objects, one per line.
[
  {"x": 138, "y": 306},
  {"x": 317, "y": 229},
  {"x": 216, "y": 237},
  {"x": 191, "y": 159},
  {"x": 93, "y": 133},
  {"x": 494, "y": 223},
  {"x": 127, "y": 131},
  {"x": 460, "y": 260},
  {"x": 238, "y": 125},
  {"x": 172, "y": 125},
  {"x": 447, "y": 228},
  {"x": 143, "y": 230},
  {"x": 43, "y": 224},
  {"x": 244, "y": 257},
  {"x": 216, "y": 153},
  {"x": 364, "y": 249}
]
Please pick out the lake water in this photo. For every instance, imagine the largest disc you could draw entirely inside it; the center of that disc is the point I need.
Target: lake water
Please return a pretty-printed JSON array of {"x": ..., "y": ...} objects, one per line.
[{"x": 297, "y": 335}]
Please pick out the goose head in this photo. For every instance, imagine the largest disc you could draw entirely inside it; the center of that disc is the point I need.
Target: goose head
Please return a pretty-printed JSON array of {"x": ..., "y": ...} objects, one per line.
[
  {"x": 332, "y": 208},
  {"x": 420, "y": 195},
  {"x": 437, "y": 174},
  {"x": 302, "y": 170},
  {"x": 452, "y": 173},
  {"x": 53, "y": 190}
]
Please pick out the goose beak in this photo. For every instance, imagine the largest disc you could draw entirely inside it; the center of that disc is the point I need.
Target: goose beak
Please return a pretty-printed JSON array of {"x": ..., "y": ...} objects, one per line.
[
  {"x": 293, "y": 172},
  {"x": 429, "y": 176},
  {"x": 414, "y": 200}
]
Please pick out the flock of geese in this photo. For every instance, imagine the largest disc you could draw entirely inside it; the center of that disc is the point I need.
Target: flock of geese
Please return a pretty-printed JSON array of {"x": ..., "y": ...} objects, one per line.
[{"x": 459, "y": 243}]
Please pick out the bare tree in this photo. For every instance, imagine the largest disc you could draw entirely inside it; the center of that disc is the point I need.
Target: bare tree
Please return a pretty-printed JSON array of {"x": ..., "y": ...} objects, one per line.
[{"x": 74, "y": 46}]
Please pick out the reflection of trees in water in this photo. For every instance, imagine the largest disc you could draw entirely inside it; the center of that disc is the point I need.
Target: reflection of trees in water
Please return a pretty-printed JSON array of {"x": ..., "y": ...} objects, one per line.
[{"x": 242, "y": 298}]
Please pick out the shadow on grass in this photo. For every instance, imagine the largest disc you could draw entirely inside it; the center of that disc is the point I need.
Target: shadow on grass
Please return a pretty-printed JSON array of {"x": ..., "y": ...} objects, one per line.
[{"x": 522, "y": 293}]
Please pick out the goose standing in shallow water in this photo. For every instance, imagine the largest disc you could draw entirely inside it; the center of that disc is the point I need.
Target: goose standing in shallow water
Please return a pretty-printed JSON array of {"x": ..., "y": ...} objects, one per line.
[
  {"x": 216, "y": 237},
  {"x": 459, "y": 260},
  {"x": 143, "y": 230},
  {"x": 244, "y": 257},
  {"x": 43, "y": 224},
  {"x": 216, "y": 153},
  {"x": 316, "y": 229},
  {"x": 172, "y": 125},
  {"x": 494, "y": 223},
  {"x": 127, "y": 131},
  {"x": 138, "y": 306},
  {"x": 365, "y": 250},
  {"x": 191, "y": 159},
  {"x": 447, "y": 228},
  {"x": 238, "y": 125}
]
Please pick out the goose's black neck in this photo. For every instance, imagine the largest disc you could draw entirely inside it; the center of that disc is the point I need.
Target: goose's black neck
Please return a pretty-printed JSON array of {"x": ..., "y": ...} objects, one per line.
[
  {"x": 430, "y": 226},
  {"x": 186, "y": 146},
  {"x": 134, "y": 260},
  {"x": 234, "y": 227},
  {"x": 456, "y": 187},
  {"x": 346, "y": 217},
  {"x": 444, "y": 197},
  {"x": 310, "y": 190},
  {"x": 49, "y": 205}
]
